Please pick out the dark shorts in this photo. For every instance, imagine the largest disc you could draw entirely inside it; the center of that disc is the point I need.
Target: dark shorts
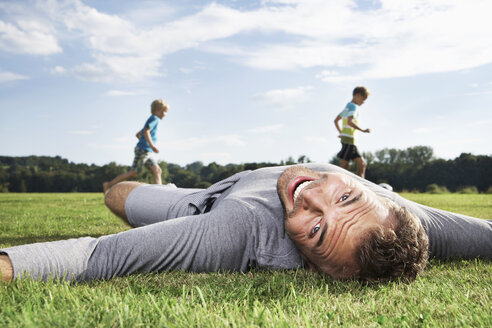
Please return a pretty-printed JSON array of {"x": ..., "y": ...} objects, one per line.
[
  {"x": 143, "y": 158},
  {"x": 348, "y": 152}
]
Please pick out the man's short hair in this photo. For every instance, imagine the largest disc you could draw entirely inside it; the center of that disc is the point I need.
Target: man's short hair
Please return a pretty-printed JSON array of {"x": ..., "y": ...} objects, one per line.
[
  {"x": 361, "y": 91},
  {"x": 386, "y": 254}
]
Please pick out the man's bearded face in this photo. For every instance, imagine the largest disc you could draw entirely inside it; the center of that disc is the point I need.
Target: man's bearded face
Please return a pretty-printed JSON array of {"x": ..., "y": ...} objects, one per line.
[{"x": 327, "y": 216}]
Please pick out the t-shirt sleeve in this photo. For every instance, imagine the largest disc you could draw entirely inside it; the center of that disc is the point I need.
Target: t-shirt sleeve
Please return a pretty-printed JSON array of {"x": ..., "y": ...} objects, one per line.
[
  {"x": 350, "y": 110},
  {"x": 151, "y": 122},
  {"x": 214, "y": 241},
  {"x": 221, "y": 239},
  {"x": 451, "y": 235}
]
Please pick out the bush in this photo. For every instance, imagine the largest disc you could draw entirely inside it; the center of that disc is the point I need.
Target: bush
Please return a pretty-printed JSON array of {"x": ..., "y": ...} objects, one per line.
[
  {"x": 489, "y": 191},
  {"x": 4, "y": 187},
  {"x": 467, "y": 190},
  {"x": 434, "y": 188}
]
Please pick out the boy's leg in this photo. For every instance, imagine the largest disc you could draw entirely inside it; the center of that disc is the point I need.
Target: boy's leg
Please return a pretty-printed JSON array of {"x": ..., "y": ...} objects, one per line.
[
  {"x": 344, "y": 164},
  {"x": 343, "y": 156},
  {"x": 156, "y": 172},
  {"x": 6, "y": 270},
  {"x": 361, "y": 166},
  {"x": 138, "y": 161},
  {"x": 120, "y": 178}
]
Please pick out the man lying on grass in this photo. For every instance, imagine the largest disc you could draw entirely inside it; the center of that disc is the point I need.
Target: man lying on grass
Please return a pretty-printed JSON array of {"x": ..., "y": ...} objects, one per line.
[{"x": 316, "y": 215}]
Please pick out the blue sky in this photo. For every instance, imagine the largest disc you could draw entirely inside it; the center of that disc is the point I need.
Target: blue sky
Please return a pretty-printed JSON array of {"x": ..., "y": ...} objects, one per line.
[{"x": 246, "y": 80}]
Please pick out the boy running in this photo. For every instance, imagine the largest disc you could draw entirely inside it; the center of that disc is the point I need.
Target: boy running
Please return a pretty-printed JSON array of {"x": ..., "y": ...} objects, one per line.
[
  {"x": 145, "y": 149},
  {"x": 349, "y": 124}
]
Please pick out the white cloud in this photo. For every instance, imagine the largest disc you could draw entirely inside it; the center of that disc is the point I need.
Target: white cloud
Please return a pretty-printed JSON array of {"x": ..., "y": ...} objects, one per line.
[
  {"x": 196, "y": 66},
  {"x": 27, "y": 37},
  {"x": 9, "y": 77},
  {"x": 121, "y": 68},
  {"x": 117, "y": 93},
  {"x": 186, "y": 70},
  {"x": 345, "y": 42},
  {"x": 284, "y": 98},
  {"x": 266, "y": 129},
  {"x": 336, "y": 77},
  {"x": 150, "y": 13},
  {"x": 398, "y": 39},
  {"x": 58, "y": 70}
]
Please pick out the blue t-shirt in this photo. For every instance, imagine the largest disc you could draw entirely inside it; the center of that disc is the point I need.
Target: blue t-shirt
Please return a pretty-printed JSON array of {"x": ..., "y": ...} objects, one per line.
[{"x": 152, "y": 124}]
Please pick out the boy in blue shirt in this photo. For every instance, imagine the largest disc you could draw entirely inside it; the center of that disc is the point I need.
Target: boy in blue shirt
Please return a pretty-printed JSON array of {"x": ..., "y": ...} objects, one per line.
[
  {"x": 145, "y": 149},
  {"x": 347, "y": 133}
]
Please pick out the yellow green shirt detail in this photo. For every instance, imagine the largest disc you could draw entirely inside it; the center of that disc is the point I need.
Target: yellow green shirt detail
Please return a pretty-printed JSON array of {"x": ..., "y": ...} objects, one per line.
[{"x": 348, "y": 132}]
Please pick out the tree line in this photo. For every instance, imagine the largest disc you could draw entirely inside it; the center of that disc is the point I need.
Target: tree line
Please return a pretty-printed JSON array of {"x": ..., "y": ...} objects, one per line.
[{"x": 414, "y": 168}]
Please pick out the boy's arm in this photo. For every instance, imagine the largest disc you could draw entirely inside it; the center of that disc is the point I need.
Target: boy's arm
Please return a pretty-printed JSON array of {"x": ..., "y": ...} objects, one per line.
[
  {"x": 355, "y": 126},
  {"x": 149, "y": 140},
  {"x": 337, "y": 119},
  {"x": 139, "y": 133}
]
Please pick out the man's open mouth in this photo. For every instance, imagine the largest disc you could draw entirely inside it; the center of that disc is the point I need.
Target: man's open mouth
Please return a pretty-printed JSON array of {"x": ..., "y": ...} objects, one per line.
[{"x": 296, "y": 186}]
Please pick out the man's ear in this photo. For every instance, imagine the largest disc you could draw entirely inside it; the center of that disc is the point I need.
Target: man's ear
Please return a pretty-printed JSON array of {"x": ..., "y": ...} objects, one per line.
[{"x": 311, "y": 265}]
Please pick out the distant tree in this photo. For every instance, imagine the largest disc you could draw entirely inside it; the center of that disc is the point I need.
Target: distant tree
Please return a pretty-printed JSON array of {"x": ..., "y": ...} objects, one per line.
[
  {"x": 194, "y": 167},
  {"x": 303, "y": 159},
  {"x": 369, "y": 157},
  {"x": 418, "y": 156},
  {"x": 288, "y": 161}
]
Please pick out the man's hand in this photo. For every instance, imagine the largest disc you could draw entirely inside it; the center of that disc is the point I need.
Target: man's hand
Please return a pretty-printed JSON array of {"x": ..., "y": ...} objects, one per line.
[{"x": 366, "y": 131}]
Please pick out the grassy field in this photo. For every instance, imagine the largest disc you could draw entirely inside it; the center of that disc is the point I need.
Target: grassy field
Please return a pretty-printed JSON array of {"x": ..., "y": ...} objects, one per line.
[{"x": 450, "y": 294}]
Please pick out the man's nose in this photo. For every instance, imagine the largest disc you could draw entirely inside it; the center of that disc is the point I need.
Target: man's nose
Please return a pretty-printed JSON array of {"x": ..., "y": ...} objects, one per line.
[{"x": 312, "y": 199}]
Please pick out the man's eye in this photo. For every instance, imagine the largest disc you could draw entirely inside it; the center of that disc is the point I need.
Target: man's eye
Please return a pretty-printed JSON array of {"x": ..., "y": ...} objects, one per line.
[
  {"x": 344, "y": 197},
  {"x": 316, "y": 228}
]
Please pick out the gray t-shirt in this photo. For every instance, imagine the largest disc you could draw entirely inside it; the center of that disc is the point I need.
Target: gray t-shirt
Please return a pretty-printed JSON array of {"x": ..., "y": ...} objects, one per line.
[
  {"x": 243, "y": 229},
  {"x": 252, "y": 200}
]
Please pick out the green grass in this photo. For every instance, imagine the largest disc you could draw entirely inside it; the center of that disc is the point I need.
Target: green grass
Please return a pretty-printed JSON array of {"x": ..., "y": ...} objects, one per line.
[
  {"x": 477, "y": 205},
  {"x": 448, "y": 294}
]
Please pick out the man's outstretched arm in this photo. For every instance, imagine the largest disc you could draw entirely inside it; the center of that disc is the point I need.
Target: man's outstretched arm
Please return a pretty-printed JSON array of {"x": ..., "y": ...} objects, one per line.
[
  {"x": 451, "y": 235},
  {"x": 218, "y": 240}
]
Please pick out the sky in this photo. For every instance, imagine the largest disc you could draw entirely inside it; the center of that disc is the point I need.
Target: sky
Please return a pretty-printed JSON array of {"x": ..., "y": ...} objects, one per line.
[{"x": 246, "y": 81}]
